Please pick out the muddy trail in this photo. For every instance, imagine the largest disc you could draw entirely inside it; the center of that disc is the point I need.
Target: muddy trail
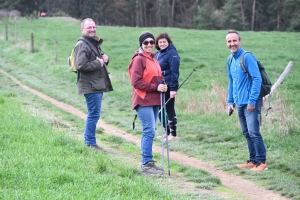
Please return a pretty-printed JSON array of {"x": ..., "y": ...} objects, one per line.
[{"x": 244, "y": 188}]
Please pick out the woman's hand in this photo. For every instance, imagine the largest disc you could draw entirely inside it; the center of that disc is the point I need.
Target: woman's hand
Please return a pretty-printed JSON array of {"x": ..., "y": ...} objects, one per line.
[
  {"x": 173, "y": 94},
  {"x": 162, "y": 87}
]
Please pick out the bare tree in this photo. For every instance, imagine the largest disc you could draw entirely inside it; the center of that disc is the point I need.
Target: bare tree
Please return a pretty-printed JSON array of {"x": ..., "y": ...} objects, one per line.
[
  {"x": 172, "y": 13},
  {"x": 253, "y": 15},
  {"x": 242, "y": 12},
  {"x": 158, "y": 12},
  {"x": 185, "y": 13},
  {"x": 278, "y": 15},
  {"x": 137, "y": 13},
  {"x": 144, "y": 14}
]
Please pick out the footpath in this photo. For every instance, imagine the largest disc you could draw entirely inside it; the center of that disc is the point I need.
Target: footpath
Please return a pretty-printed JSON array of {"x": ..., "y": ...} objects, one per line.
[{"x": 242, "y": 187}]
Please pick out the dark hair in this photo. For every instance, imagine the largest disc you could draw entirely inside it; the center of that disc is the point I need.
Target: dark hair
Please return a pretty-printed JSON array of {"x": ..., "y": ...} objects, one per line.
[
  {"x": 163, "y": 35},
  {"x": 234, "y": 31},
  {"x": 144, "y": 36}
]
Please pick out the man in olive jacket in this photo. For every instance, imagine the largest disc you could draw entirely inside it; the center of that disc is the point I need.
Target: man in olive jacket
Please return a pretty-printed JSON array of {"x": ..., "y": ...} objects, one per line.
[{"x": 93, "y": 78}]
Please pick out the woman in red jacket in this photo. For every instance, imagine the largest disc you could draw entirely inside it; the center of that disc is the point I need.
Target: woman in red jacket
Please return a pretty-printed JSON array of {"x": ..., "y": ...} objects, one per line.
[{"x": 146, "y": 78}]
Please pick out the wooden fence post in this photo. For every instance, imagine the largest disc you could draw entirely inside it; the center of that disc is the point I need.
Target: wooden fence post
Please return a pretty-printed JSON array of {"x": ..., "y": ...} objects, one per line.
[
  {"x": 55, "y": 49},
  {"x": 16, "y": 34},
  {"x": 6, "y": 32},
  {"x": 32, "y": 43}
]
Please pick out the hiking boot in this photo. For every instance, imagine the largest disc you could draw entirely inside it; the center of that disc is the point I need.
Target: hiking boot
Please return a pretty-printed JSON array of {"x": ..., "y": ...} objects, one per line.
[
  {"x": 96, "y": 147},
  {"x": 249, "y": 164},
  {"x": 151, "y": 169},
  {"x": 259, "y": 167}
]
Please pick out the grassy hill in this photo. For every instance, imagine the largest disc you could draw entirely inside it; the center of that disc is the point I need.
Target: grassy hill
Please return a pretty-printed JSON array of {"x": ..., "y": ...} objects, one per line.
[{"x": 205, "y": 130}]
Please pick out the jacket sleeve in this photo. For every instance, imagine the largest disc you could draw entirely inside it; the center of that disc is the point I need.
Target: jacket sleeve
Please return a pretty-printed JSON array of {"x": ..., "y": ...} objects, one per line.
[
  {"x": 85, "y": 60},
  {"x": 230, "y": 99},
  {"x": 174, "y": 61},
  {"x": 250, "y": 63}
]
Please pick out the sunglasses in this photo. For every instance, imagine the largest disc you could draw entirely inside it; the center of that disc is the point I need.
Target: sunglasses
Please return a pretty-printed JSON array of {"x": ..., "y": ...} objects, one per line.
[{"x": 147, "y": 42}]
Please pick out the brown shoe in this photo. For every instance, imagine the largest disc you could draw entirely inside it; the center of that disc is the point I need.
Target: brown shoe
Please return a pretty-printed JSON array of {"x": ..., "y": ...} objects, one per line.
[
  {"x": 259, "y": 167},
  {"x": 151, "y": 169},
  {"x": 246, "y": 165}
]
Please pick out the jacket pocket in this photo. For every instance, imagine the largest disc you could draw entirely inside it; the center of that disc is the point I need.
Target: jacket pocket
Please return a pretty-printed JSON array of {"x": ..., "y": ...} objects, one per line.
[{"x": 98, "y": 84}]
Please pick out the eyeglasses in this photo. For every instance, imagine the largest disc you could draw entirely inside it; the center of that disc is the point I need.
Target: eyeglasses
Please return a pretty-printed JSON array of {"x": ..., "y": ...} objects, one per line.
[
  {"x": 91, "y": 27},
  {"x": 147, "y": 42}
]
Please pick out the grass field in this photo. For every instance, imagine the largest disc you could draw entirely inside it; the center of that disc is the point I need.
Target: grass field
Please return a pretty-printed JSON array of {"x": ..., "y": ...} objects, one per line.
[{"x": 205, "y": 131}]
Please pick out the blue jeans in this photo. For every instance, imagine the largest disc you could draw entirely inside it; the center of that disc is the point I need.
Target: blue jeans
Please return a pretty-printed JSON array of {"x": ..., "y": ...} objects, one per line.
[
  {"x": 250, "y": 124},
  {"x": 93, "y": 102},
  {"x": 148, "y": 116}
]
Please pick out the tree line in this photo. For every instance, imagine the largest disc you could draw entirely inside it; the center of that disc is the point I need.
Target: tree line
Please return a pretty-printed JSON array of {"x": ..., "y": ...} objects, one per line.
[{"x": 254, "y": 15}]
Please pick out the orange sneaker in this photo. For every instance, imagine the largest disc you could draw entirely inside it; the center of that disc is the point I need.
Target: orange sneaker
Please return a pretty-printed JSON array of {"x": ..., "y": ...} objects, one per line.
[
  {"x": 249, "y": 164},
  {"x": 259, "y": 167}
]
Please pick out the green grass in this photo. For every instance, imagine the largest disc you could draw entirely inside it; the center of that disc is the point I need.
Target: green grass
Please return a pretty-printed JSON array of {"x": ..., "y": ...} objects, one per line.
[
  {"x": 205, "y": 131},
  {"x": 42, "y": 161}
]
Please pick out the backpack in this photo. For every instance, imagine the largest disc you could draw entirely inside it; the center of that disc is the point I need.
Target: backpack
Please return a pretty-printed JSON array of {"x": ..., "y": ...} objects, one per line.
[
  {"x": 266, "y": 84},
  {"x": 71, "y": 58}
]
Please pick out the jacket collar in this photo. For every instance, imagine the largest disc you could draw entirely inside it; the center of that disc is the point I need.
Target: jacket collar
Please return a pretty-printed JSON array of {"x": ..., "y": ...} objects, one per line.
[
  {"x": 97, "y": 41},
  {"x": 237, "y": 54}
]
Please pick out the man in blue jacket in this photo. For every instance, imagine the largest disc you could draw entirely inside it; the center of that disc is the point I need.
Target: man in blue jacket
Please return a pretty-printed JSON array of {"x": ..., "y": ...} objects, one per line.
[{"x": 243, "y": 91}]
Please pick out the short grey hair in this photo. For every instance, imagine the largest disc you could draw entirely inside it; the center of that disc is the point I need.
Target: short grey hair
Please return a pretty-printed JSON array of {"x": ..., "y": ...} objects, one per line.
[
  {"x": 234, "y": 31},
  {"x": 86, "y": 19}
]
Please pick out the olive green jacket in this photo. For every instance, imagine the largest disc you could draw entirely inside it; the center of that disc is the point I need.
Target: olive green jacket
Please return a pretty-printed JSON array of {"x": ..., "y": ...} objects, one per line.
[{"x": 92, "y": 77}]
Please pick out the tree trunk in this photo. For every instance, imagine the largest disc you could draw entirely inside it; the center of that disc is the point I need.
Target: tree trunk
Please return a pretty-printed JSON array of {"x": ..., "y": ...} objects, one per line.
[
  {"x": 253, "y": 15},
  {"x": 172, "y": 13},
  {"x": 158, "y": 13},
  {"x": 144, "y": 14},
  {"x": 137, "y": 10},
  {"x": 278, "y": 15},
  {"x": 242, "y": 12}
]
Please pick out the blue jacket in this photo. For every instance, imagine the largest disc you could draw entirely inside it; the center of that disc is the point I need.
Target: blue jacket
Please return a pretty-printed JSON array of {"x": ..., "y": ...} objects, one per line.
[
  {"x": 242, "y": 89},
  {"x": 169, "y": 61}
]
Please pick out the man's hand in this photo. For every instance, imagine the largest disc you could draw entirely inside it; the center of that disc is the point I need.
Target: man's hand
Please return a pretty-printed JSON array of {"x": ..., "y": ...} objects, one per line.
[
  {"x": 250, "y": 108},
  {"x": 230, "y": 109},
  {"x": 101, "y": 61},
  {"x": 105, "y": 58}
]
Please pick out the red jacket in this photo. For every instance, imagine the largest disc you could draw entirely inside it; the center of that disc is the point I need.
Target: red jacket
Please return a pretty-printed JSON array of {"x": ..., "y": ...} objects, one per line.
[{"x": 145, "y": 75}]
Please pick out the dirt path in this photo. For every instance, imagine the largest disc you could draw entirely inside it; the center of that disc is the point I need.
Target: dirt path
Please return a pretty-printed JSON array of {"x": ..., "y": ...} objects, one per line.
[{"x": 243, "y": 187}]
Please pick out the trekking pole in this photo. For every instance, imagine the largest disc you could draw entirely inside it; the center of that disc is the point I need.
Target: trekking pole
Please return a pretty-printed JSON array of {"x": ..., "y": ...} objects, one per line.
[
  {"x": 179, "y": 87},
  {"x": 166, "y": 132},
  {"x": 162, "y": 132}
]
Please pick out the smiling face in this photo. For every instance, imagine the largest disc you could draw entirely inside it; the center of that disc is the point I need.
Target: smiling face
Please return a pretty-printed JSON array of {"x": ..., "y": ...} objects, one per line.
[
  {"x": 233, "y": 42},
  {"x": 148, "y": 45},
  {"x": 163, "y": 43},
  {"x": 89, "y": 28}
]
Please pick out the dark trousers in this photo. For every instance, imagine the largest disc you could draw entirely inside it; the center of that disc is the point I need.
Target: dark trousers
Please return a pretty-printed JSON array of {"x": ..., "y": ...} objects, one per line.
[{"x": 170, "y": 114}]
